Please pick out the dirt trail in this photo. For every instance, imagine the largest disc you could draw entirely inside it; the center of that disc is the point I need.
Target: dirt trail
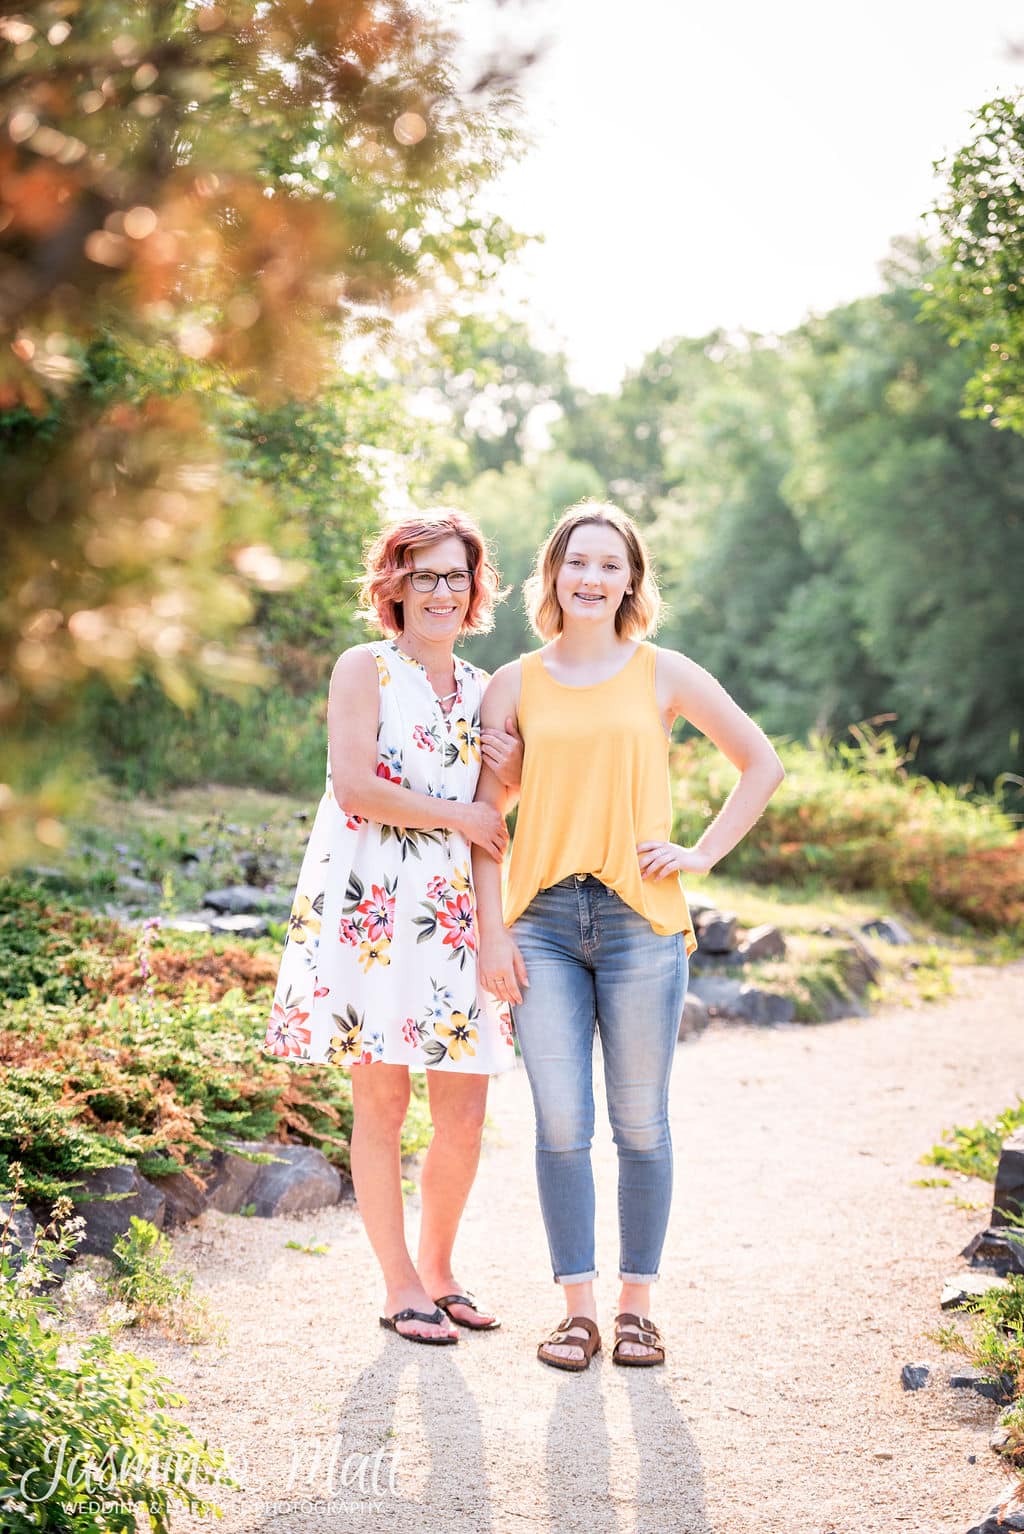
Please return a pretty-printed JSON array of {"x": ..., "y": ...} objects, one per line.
[{"x": 802, "y": 1270}]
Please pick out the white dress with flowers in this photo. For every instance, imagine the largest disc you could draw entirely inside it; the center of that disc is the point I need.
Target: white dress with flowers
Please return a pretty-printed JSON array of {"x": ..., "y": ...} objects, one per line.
[{"x": 380, "y": 961}]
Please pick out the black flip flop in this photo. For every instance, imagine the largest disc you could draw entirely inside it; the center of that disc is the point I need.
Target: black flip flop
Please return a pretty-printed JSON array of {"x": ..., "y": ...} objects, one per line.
[
  {"x": 467, "y": 1300},
  {"x": 435, "y": 1319}
]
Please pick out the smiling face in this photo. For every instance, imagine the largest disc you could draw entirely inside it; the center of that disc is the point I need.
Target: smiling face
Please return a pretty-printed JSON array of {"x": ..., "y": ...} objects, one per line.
[
  {"x": 440, "y": 614},
  {"x": 595, "y": 574}
]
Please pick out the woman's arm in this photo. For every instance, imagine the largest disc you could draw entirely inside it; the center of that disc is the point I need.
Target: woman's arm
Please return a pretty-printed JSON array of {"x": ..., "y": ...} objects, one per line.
[
  {"x": 694, "y": 693},
  {"x": 352, "y": 713},
  {"x": 501, "y": 967}
]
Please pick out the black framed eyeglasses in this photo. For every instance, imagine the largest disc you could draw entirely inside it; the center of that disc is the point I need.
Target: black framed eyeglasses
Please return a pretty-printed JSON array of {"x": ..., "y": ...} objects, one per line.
[{"x": 426, "y": 580}]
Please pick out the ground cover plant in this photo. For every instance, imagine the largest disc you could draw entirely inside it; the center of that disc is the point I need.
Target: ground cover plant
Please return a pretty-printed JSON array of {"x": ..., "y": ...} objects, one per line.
[{"x": 127, "y": 1460}]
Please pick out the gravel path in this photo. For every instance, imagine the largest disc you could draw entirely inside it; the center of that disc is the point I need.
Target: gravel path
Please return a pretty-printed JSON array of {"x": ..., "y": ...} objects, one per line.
[{"x": 802, "y": 1270}]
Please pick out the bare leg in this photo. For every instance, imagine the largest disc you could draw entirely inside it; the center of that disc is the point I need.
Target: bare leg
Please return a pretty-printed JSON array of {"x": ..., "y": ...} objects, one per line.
[
  {"x": 579, "y": 1301},
  {"x": 457, "y": 1106},
  {"x": 635, "y": 1299},
  {"x": 380, "y": 1097}
]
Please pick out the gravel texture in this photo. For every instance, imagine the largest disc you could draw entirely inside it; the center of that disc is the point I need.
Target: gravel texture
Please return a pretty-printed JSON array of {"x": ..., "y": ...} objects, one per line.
[{"x": 802, "y": 1271}]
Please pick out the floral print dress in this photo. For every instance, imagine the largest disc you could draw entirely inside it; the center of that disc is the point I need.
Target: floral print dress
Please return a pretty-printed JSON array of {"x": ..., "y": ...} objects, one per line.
[{"x": 380, "y": 961}]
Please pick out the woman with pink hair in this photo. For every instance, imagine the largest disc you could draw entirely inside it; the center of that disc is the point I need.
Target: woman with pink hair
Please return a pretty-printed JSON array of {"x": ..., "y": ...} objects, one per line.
[{"x": 379, "y": 972}]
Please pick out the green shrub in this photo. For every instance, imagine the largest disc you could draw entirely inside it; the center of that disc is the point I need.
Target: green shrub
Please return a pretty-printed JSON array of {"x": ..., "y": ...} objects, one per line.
[
  {"x": 83, "y": 1422},
  {"x": 151, "y": 1291},
  {"x": 159, "y": 1082},
  {"x": 42, "y": 943},
  {"x": 274, "y": 740},
  {"x": 974, "y": 1149},
  {"x": 850, "y": 817}
]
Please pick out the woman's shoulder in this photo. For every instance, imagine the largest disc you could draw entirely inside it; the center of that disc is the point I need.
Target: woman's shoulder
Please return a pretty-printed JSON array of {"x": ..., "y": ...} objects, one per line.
[{"x": 362, "y": 663}]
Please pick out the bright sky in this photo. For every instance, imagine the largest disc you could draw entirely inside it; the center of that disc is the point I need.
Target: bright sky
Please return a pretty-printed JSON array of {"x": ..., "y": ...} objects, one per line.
[{"x": 738, "y": 165}]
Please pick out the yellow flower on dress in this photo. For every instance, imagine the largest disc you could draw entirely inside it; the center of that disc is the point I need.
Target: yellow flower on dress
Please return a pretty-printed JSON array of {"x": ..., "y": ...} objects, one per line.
[
  {"x": 467, "y": 741},
  {"x": 374, "y": 952},
  {"x": 459, "y": 879},
  {"x": 304, "y": 920},
  {"x": 382, "y": 671},
  {"x": 459, "y": 1034},
  {"x": 347, "y": 1043}
]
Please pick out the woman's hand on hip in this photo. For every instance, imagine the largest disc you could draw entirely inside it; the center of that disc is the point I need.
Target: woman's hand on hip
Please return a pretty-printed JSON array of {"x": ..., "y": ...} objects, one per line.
[
  {"x": 501, "y": 969},
  {"x": 658, "y": 859},
  {"x": 485, "y": 826},
  {"x": 502, "y": 750}
]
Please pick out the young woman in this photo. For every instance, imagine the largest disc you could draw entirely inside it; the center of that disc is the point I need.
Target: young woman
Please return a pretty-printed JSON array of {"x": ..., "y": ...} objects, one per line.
[
  {"x": 379, "y": 974},
  {"x": 595, "y": 929}
]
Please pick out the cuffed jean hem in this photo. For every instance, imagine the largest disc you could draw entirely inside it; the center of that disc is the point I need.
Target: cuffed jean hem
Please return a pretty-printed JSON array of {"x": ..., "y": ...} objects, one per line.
[
  {"x": 638, "y": 1278},
  {"x": 576, "y": 1278}
]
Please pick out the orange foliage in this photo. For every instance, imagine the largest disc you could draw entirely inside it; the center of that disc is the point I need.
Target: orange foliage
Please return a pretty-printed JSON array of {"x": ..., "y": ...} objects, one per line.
[{"x": 172, "y": 968}]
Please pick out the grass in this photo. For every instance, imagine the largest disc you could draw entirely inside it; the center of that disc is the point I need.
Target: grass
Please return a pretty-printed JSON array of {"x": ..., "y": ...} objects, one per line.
[{"x": 973, "y": 1149}]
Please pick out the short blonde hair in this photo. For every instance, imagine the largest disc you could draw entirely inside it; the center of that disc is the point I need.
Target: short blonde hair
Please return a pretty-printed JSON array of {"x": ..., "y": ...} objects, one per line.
[
  {"x": 639, "y": 610},
  {"x": 389, "y": 557}
]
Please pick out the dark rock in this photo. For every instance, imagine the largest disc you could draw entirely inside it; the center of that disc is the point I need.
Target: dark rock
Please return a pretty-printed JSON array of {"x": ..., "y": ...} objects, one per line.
[
  {"x": 53, "y": 878},
  {"x": 232, "y": 1173},
  {"x": 236, "y": 900},
  {"x": 914, "y": 1376},
  {"x": 141, "y": 889},
  {"x": 188, "y": 855},
  {"x": 240, "y": 926},
  {"x": 858, "y": 965},
  {"x": 999, "y": 1390},
  {"x": 765, "y": 942},
  {"x": 187, "y": 921},
  {"x": 247, "y": 899},
  {"x": 1000, "y": 1519},
  {"x": 716, "y": 932},
  {"x": 695, "y": 1017},
  {"x": 759, "y": 1006},
  {"x": 1001, "y": 1439},
  {"x": 1009, "y": 1190},
  {"x": 733, "y": 998},
  {"x": 107, "y": 1217},
  {"x": 830, "y": 1006},
  {"x": 958, "y": 1291},
  {"x": 21, "y": 1232},
  {"x": 716, "y": 992},
  {"x": 992, "y": 1249},
  {"x": 185, "y": 1200},
  {"x": 888, "y": 929},
  {"x": 302, "y": 1179}
]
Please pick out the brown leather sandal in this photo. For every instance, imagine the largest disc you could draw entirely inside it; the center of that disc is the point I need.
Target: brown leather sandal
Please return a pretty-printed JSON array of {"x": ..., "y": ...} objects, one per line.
[
  {"x": 590, "y": 1344},
  {"x": 446, "y": 1302},
  {"x": 631, "y": 1328}
]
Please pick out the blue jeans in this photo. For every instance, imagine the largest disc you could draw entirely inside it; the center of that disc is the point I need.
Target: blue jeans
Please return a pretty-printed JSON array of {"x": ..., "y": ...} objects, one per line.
[{"x": 592, "y": 961}]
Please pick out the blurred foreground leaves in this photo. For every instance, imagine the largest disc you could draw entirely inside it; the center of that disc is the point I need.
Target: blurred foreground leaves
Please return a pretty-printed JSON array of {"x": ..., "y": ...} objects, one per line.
[{"x": 200, "y": 208}]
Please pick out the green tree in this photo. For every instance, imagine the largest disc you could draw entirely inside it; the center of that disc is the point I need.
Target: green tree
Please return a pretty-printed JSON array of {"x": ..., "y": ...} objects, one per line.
[
  {"x": 199, "y": 204},
  {"x": 921, "y": 515},
  {"x": 976, "y": 292}
]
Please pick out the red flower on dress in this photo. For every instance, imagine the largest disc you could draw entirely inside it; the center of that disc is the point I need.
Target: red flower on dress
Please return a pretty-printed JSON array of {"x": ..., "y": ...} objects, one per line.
[
  {"x": 384, "y": 771},
  {"x": 321, "y": 990},
  {"x": 424, "y": 739},
  {"x": 353, "y": 821},
  {"x": 285, "y": 1033},
  {"x": 379, "y": 911},
  {"x": 437, "y": 888},
  {"x": 458, "y": 921},
  {"x": 410, "y": 1032},
  {"x": 348, "y": 932}
]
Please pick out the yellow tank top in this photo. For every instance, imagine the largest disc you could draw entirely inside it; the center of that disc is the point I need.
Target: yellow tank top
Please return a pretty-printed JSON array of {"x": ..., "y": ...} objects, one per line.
[{"x": 595, "y": 783}]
